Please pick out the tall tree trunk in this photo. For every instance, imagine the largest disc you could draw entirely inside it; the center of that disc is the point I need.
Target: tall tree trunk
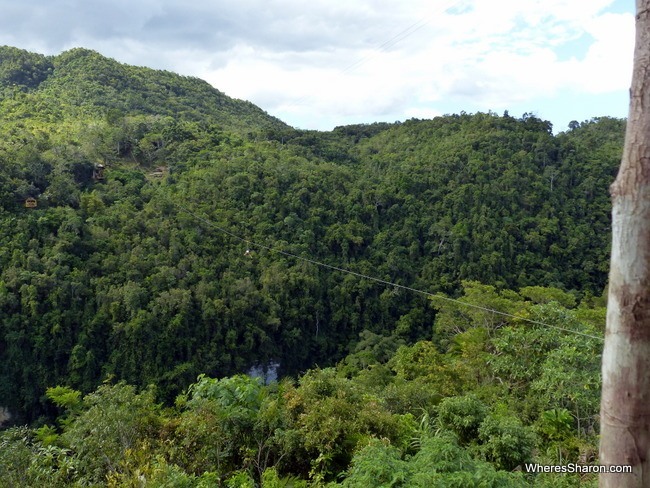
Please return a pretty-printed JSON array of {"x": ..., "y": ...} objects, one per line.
[{"x": 625, "y": 406}]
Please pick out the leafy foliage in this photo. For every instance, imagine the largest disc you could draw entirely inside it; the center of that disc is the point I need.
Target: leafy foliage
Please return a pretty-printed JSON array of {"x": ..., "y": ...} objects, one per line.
[
  {"x": 162, "y": 248},
  {"x": 463, "y": 416}
]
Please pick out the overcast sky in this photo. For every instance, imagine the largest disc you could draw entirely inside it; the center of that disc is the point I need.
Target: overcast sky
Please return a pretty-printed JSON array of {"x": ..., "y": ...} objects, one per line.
[{"x": 317, "y": 64}]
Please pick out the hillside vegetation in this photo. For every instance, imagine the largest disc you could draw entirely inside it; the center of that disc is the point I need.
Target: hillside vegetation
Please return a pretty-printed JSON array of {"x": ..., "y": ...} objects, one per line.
[{"x": 165, "y": 244}]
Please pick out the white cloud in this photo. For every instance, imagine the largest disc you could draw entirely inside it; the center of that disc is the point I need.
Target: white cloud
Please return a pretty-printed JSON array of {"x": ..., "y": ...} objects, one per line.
[
  {"x": 608, "y": 64},
  {"x": 326, "y": 61},
  {"x": 422, "y": 113},
  {"x": 491, "y": 57}
]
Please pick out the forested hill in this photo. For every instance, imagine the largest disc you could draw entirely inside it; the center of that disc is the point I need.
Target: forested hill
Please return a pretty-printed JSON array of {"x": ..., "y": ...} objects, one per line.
[
  {"x": 81, "y": 82},
  {"x": 129, "y": 274}
]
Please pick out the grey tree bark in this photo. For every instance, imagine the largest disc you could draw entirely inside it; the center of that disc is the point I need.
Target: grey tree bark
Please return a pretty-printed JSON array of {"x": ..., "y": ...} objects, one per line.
[{"x": 625, "y": 405}]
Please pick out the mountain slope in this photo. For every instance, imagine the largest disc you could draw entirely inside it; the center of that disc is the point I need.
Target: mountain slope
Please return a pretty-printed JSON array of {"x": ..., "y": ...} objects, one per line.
[
  {"x": 81, "y": 78},
  {"x": 131, "y": 275}
]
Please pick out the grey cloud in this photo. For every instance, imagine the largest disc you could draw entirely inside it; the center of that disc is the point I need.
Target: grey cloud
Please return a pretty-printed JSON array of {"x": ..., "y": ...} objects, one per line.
[
  {"x": 60, "y": 23},
  {"x": 212, "y": 26},
  {"x": 257, "y": 24}
]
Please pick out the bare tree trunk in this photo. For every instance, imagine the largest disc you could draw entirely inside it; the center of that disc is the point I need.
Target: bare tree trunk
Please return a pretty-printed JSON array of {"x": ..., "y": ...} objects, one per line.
[{"x": 625, "y": 406}]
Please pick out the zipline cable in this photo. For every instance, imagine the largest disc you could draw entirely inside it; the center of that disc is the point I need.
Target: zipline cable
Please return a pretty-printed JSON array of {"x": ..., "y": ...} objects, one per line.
[{"x": 375, "y": 279}]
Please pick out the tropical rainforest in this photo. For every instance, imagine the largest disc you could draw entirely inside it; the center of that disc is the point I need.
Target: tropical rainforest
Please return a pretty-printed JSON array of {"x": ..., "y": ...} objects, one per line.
[{"x": 185, "y": 296}]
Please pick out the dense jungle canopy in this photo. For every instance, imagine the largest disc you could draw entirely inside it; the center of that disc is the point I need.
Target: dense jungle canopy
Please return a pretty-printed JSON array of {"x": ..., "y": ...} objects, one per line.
[{"x": 151, "y": 257}]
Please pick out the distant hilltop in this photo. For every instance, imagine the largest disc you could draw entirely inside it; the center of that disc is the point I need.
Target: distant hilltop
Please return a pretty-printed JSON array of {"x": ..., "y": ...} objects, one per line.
[{"x": 82, "y": 77}]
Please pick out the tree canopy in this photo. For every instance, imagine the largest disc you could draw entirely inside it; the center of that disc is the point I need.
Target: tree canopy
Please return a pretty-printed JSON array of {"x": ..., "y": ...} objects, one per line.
[{"x": 161, "y": 246}]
